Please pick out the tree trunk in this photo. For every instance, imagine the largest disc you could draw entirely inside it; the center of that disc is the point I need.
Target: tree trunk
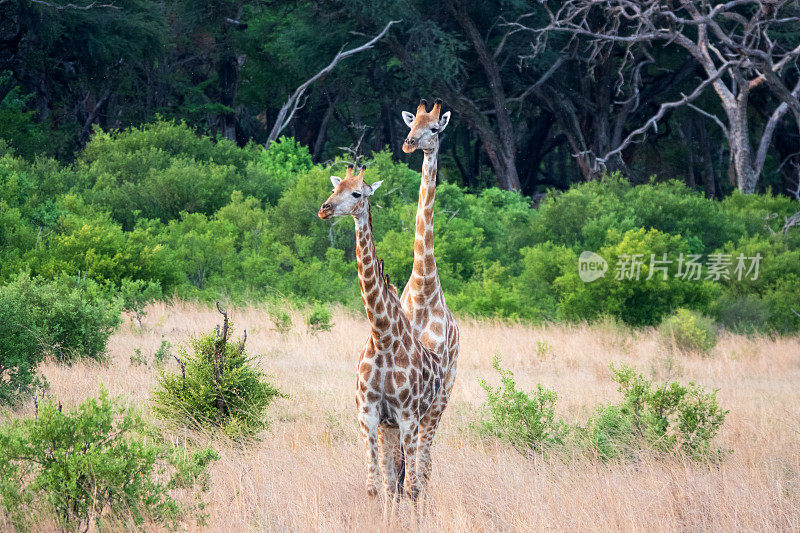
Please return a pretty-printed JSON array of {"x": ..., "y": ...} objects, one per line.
[
  {"x": 503, "y": 161},
  {"x": 746, "y": 177},
  {"x": 709, "y": 179}
]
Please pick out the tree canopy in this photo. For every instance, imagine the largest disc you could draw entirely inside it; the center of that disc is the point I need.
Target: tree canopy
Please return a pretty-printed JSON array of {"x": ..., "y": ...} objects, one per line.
[{"x": 544, "y": 94}]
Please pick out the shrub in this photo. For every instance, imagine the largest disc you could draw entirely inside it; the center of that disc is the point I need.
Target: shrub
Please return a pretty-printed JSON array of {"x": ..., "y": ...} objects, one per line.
[
  {"x": 98, "y": 456},
  {"x": 138, "y": 358},
  {"x": 281, "y": 320},
  {"x": 670, "y": 418},
  {"x": 525, "y": 420},
  {"x": 20, "y": 349},
  {"x": 638, "y": 295},
  {"x": 690, "y": 331},
  {"x": 162, "y": 354},
  {"x": 319, "y": 318},
  {"x": 67, "y": 318},
  {"x": 136, "y": 294},
  {"x": 216, "y": 387},
  {"x": 745, "y": 314},
  {"x": 96, "y": 247}
]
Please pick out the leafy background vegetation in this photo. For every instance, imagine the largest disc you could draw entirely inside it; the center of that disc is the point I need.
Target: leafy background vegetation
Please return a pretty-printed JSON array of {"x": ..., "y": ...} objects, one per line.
[{"x": 164, "y": 211}]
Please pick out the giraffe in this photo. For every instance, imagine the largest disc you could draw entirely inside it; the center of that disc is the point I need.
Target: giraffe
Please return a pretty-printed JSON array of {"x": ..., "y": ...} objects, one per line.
[
  {"x": 398, "y": 377},
  {"x": 422, "y": 299}
]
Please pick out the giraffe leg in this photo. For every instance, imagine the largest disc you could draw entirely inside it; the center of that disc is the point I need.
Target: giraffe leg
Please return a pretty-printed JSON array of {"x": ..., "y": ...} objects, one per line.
[
  {"x": 409, "y": 432},
  {"x": 390, "y": 450},
  {"x": 427, "y": 432},
  {"x": 368, "y": 421}
]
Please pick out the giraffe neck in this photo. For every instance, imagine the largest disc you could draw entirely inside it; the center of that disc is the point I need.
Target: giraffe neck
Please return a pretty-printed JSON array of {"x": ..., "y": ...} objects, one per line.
[
  {"x": 374, "y": 289},
  {"x": 424, "y": 276}
]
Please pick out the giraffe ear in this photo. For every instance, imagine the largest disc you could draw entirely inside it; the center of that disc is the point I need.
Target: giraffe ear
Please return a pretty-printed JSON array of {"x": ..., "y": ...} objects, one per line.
[
  {"x": 374, "y": 187},
  {"x": 408, "y": 118},
  {"x": 444, "y": 121},
  {"x": 336, "y": 180}
]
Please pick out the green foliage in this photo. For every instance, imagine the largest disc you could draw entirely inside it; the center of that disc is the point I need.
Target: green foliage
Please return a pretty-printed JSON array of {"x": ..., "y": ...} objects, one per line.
[
  {"x": 17, "y": 123},
  {"x": 640, "y": 296},
  {"x": 20, "y": 348},
  {"x": 746, "y": 314},
  {"x": 162, "y": 354},
  {"x": 525, "y": 420},
  {"x": 690, "y": 331},
  {"x": 94, "y": 246},
  {"x": 319, "y": 318},
  {"x": 274, "y": 170},
  {"x": 160, "y": 170},
  {"x": 215, "y": 387},
  {"x": 670, "y": 418},
  {"x": 100, "y": 456},
  {"x": 161, "y": 206},
  {"x": 136, "y": 294},
  {"x": 67, "y": 318},
  {"x": 138, "y": 358},
  {"x": 281, "y": 320}
]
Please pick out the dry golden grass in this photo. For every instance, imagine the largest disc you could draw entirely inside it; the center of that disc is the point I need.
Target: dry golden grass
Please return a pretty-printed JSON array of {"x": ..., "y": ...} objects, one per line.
[{"x": 307, "y": 472}]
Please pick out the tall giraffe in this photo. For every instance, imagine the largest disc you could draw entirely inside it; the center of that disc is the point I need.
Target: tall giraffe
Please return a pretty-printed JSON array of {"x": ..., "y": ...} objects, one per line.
[
  {"x": 398, "y": 377},
  {"x": 423, "y": 299}
]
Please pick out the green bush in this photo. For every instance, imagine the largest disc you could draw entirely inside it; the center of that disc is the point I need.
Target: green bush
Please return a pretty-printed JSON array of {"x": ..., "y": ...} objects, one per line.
[
  {"x": 319, "y": 318},
  {"x": 20, "y": 347},
  {"x": 162, "y": 353},
  {"x": 138, "y": 358},
  {"x": 524, "y": 420},
  {"x": 746, "y": 315},
  {"x": 94, "y": 246},
  {"x": 638, "y": 302},
  {"x": 67, "y": 318},
  {"x": 100, "y": 456},
  {"x": 690, "y": 331},
  {"x": 281, "y": 320},
  {"x": 217, "y": 386},
  {"x": 670, "y": 418}
]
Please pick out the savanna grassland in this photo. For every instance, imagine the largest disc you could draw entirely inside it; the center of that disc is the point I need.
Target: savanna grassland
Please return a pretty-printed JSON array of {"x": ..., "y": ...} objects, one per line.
[{"x": 307, "y": 471}]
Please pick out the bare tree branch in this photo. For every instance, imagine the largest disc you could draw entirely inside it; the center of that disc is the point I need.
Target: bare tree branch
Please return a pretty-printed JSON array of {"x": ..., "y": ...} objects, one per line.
[
  {"x": 715, "y": 118},
  {"x": 291, "y": 106},
  {"x": 738, "y": 44},
  {"x": 663, "y": 108},
  {"x": 546, "y": 76}
]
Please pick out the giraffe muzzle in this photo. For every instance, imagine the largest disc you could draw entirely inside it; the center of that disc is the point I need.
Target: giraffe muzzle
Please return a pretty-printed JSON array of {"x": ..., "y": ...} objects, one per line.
[
  {"x": 326, "y": 211},
  {"x": 409, "y": 145}
]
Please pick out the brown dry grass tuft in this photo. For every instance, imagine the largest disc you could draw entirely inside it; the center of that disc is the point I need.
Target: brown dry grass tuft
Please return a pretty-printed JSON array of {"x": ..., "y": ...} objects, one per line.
[{"x": 307, "y": 472}]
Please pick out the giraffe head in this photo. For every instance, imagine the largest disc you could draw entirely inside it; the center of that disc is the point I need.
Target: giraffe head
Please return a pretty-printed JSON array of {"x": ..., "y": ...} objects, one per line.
[
  {"x": 350, "y": 195},
  {"x": 425, "y": 127}
]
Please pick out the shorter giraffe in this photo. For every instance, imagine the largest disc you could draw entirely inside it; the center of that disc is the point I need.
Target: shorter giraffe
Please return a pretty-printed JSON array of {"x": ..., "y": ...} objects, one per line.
[{"x": 398, "y": 378}]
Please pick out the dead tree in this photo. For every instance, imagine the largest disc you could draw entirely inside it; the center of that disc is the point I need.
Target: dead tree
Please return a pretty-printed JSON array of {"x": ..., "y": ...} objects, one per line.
[
  {"x": 288, "y": 110},
  {"x": 738, "y": 44}
]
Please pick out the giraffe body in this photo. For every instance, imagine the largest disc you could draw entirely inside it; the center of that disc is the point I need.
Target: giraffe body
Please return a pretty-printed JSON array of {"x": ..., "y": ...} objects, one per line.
[{"x": 399, "y": 379}]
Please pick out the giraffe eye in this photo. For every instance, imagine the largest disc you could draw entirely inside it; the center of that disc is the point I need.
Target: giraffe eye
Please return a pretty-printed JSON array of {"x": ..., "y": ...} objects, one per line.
[{"x": 356, "y": 195}]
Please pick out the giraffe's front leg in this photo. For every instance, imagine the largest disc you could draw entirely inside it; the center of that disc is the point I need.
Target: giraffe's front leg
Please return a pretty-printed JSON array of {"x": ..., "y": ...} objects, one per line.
[{"x": 368, "y": 421}]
